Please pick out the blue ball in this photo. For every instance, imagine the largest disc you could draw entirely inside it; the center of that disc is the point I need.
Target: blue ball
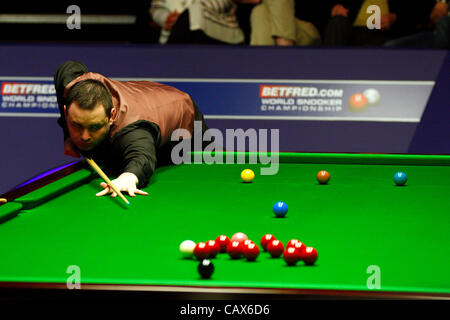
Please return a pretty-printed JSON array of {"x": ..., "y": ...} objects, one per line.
[
  {"x": 400, "y": 178},
  {"x": 280, "y": 208}
]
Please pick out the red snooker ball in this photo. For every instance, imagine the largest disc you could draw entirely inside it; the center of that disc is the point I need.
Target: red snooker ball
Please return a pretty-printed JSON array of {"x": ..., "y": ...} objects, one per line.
[
  {"x": 301, "y": 247},
  {"x": 310, "y": 256},
  {"x": 223, "y": 242},
  {"x": 266, "y": 239},
  {"x": 234, "y": 249},
  {"x": 214, "y": 248},
  {"x": 247, "y": 242},
  {"x": 239, "y": 236},
  {"x": 291, "y": 243},
  {"x": 201, "y": 251},
  {"x": 251, "y": 251},
  {"x": 292, "y": 255},
  {"x": 275, "y": 248}
]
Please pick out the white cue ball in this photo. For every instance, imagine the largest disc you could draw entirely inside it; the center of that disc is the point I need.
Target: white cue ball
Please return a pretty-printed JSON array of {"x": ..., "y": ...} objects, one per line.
[
  {"x": 187, "y": 248},
  {"x": 372, "y": 95}
]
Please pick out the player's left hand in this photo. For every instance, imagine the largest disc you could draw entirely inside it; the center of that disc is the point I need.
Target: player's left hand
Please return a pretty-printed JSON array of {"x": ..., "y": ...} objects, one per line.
[{"x": 125, "y": 182}]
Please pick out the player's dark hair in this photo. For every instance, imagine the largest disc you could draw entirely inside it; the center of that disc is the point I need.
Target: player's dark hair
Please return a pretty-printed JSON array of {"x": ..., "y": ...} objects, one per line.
[{"x": 88, "y": 94}]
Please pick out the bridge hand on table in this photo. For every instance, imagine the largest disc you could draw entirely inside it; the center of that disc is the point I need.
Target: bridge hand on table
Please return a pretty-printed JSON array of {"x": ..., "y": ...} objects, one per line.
[{"x": 125, "y": 182}]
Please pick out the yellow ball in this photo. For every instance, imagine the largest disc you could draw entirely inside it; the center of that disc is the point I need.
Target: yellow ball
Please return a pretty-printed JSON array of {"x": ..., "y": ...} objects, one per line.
[{"x": 247, "y": 175}]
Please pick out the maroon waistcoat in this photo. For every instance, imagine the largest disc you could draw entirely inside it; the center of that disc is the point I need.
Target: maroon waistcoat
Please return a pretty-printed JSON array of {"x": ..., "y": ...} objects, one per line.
[{"x": 166, "y": 106}]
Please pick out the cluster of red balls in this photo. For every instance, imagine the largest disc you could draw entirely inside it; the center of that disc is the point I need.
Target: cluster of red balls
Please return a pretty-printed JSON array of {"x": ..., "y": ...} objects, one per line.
[
  {"x": 241, "y": 246},
  {"x": 294, "y": 252}
]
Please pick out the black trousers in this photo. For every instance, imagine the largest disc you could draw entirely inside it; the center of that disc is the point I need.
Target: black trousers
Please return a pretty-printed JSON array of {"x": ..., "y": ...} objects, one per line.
[
  {"x": 437, "y": 39},
  {"x": 340, "y": 32},
  {"x": 182, "y": 34}
]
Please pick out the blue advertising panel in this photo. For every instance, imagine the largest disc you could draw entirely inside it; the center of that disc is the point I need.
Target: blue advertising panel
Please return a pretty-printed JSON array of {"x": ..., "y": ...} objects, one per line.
[
  {"x": 316, "y": 100},
  {"x": 27, "y": 97},
  {"x": 321, "y": 100}
]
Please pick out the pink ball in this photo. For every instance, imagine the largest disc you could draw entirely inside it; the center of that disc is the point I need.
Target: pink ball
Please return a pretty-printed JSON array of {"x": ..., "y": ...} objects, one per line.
[{"x": 239, "y": 236}]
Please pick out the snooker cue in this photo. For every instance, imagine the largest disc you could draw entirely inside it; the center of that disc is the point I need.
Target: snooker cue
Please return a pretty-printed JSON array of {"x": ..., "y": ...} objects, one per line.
[{"x": 104, "y": 177}]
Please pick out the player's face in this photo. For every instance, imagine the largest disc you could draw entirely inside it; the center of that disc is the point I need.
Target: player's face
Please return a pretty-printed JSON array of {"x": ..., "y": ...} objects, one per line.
[{"x": 87, "y": 128}]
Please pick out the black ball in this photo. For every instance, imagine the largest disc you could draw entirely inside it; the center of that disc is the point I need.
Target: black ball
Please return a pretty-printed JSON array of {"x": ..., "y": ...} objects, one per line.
[{"x": 205, "y": 268}]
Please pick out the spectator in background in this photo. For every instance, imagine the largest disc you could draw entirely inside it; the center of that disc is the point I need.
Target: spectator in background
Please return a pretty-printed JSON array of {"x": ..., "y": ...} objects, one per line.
[
  {"x": 165, "y": 14},
  {"x": 197, "y": 21},
  {"x": 438, "y": 38},
  {"x": 285, "y": 23},
  {"x": 348, "y": 21},
  {"x": 243, "y": 12}
]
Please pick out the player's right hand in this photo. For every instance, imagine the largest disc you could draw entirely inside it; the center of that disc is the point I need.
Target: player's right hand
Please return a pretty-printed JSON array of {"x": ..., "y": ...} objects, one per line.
[{"x": 70, "y": 149}]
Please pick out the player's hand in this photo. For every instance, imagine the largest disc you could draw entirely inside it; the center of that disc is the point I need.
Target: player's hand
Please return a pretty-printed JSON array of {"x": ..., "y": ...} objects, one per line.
[
  {"x": 339, "y": 10},
  {"x": 70, "y": 149},
  {"x": 171, "y": 20},
  {"x": 387, "y": 20},
  {"x": 125, "y": 182}
]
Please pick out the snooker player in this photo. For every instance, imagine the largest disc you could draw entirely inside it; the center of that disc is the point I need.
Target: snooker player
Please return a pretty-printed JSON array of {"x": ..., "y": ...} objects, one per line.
[{"x": 124, "y": 126}]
